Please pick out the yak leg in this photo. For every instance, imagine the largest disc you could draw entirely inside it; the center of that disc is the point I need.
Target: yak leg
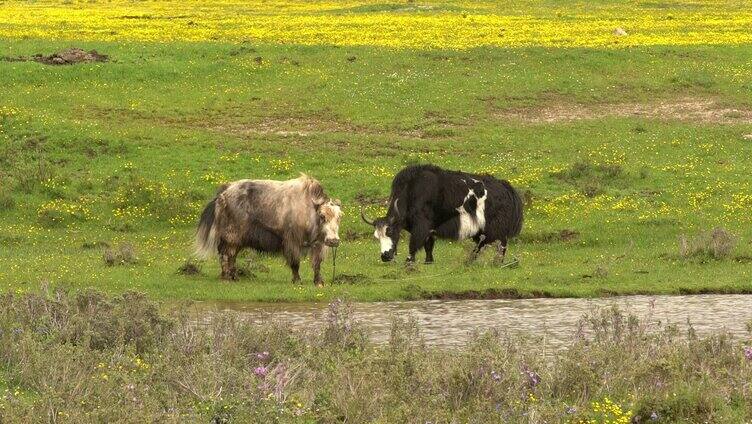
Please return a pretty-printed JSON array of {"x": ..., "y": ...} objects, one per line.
[
  {"x": 292, "y": 255},
  {"x": 419, "y": 234},
  {"x": 481, "y": 241},
  {"x": 295, "y": 268},
  {"x": 227, "y": 255},
  {"x": 501, "y": 250},
  {"x": 317, "y": 257},
  {"x": 429, "y": 249}
]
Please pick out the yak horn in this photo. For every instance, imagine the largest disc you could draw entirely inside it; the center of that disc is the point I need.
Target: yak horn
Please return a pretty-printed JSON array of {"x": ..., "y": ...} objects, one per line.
[{"x": 363, "y": 216}]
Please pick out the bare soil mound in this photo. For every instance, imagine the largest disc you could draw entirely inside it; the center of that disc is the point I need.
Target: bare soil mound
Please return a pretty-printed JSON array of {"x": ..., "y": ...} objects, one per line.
[{"x": 65, "y": 57}]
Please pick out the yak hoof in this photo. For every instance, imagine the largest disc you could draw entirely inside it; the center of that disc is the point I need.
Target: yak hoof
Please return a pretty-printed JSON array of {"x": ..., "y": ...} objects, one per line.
[
  {"x": 428, "y": 261},
  {"x": 229, "y": 275}
]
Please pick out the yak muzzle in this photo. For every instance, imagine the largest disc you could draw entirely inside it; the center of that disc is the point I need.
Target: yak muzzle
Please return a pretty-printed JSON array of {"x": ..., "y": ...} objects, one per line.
[
  {"x": 387, "y": 256},
  {"x": 331, "y": 242}
]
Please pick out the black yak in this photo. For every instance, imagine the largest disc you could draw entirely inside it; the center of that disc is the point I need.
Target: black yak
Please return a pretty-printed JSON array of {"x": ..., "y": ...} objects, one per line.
[{"x": 430, "y": 202}]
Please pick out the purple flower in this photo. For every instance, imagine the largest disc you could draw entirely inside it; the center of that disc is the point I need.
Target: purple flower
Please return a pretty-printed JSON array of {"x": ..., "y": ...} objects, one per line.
[
  {"x": 495, "y": 376},
  {"x": 260, "y": 371},
  {"x": 748, "y": 352},
  {"x": 654, "y": 416},
  {"x": 262, "y": 356},
  {"x": 533, "y": 378},
  {"x": 571, "y": 410}
]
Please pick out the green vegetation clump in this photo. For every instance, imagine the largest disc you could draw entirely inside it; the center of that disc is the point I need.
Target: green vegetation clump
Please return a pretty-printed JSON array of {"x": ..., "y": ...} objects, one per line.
[
  {"x": 591, "y": 179},
  {"x": 7, "y": 201},
  {"x": 88, "y": 357}
]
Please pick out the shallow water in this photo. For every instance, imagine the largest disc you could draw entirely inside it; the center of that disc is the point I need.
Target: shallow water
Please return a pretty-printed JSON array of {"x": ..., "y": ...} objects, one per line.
[{"x": 452, "y": 322}]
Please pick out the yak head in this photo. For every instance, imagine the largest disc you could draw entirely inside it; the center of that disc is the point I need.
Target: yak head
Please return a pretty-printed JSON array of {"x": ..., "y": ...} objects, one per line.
[
  {"x": 387, "y": 231},
  {"x": 329, "y": 215}
]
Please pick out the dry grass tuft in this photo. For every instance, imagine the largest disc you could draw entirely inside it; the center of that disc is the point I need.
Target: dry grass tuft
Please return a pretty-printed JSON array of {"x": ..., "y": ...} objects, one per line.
[
  {"x": 123, "y": 254},
  {"x": 715, "y": 244}
]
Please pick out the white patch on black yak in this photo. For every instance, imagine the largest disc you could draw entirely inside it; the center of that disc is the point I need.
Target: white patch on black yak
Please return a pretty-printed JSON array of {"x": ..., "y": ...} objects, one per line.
[
  {"x": 472, "y": 224},
  {"x": 384, "y": 240}
]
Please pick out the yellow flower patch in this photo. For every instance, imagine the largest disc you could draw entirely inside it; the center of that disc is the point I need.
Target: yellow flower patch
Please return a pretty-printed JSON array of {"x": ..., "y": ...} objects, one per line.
[{"x": 424, "y": 25}]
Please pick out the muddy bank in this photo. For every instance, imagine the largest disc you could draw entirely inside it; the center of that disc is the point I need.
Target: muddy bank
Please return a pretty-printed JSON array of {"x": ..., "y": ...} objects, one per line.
[{"x": 416, "y": 293}]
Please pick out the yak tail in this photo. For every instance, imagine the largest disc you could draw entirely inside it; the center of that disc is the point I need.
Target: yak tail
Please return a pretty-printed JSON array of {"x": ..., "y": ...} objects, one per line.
[
  {"x": 207, "y": 240},
  {"x": 206, "y": 235},
  {"x": 516, "y": 212}
]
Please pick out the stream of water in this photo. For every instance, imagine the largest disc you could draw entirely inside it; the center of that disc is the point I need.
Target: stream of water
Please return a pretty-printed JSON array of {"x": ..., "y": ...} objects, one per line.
[{"x": 452, "y": 322}]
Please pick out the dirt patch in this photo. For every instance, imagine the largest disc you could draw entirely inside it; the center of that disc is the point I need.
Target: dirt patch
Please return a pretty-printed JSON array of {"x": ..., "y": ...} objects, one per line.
[
  {"x": 434, "y": 126},
  {"x": 289, "y": 126},
  {"x": 65, "y": 57},
  {"x": 688, "y": 109},
  {"x": 367, "y": 199},
  {"x": 235, "y": 121},
  {"x": 312, "y": 126},
  {"x": 565, "y": 235}
]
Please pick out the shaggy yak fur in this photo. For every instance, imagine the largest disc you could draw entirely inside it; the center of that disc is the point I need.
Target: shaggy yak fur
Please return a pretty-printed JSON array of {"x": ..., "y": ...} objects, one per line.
[
  {"x": 430, "y": 202},
  {"x": 281, "y": 217}
]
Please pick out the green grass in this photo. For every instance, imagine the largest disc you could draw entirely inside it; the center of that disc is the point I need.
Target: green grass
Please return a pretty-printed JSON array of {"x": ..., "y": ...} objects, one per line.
[{"x": 157, "y": 128}]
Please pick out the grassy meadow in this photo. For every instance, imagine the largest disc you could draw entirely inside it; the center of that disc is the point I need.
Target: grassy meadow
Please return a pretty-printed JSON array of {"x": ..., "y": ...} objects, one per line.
[{"x": 622, "y": 145}]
